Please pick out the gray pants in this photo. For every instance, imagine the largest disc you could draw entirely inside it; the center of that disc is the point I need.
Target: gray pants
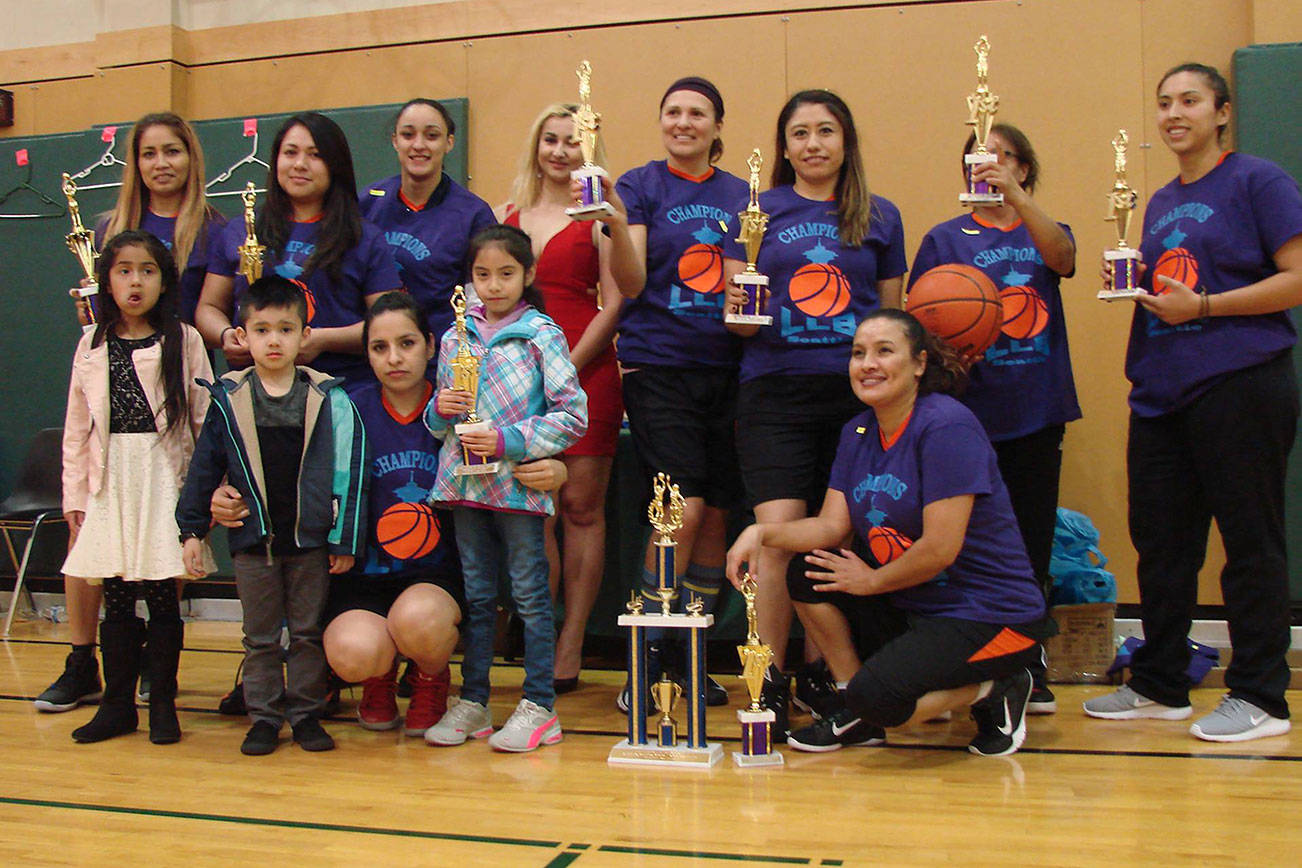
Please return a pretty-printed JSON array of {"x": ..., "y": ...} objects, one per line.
[{"x": 291, "y": 590}]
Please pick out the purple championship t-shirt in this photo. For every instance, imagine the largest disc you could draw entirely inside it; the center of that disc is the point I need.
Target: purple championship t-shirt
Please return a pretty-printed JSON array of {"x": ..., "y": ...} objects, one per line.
[
  {"x": 1216, "y": 234},
  {"x": 677, "y": 320},
  {"x": 408, "y": 538},
  {"x": 1024, "y": 384},
  {"x": 942, "y": 452},
  {"x": 819, "y": 288},
  {"x": 428, "y": 244},
  {"x": 366, "y": 269},
  {"x": 192, "y": 271}
]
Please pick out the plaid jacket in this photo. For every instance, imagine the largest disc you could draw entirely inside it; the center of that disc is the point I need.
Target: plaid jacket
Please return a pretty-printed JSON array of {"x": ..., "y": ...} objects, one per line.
[{"x": 529, "y": 390}]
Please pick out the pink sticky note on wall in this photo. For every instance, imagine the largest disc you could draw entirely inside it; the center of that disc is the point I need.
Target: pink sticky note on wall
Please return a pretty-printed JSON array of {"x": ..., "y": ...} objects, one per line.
[
  {"x": 250, "y": 126},
  {"x": 20, "y": 156},
  {"x": 108, "y": 134}
]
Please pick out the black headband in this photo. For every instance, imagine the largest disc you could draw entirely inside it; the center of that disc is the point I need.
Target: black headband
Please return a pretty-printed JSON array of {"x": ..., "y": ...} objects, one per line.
[{"x": 699, "y": 85}]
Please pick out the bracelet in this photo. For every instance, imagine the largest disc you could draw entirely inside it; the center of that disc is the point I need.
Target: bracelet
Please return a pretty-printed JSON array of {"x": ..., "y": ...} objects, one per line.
[
  {"x": 1204, "y": 306},
  {"x": 221, "y": 338}
]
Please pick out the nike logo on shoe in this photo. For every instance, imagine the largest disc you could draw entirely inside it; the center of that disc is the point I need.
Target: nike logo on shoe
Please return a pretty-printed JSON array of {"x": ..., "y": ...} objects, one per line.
[
  {"x": 839, "y": 731},
  {"x": 1257, "y": 721},
  {"x": 1007, "y": 726}
]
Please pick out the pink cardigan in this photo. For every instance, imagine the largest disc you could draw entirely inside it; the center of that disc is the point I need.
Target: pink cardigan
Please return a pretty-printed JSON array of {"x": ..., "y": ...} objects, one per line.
[{"x": 86, "y": 425}]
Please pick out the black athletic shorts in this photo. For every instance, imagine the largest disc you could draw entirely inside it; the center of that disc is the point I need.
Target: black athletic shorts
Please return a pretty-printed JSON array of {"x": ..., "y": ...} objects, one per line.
[{"x": 378, "y": 594}]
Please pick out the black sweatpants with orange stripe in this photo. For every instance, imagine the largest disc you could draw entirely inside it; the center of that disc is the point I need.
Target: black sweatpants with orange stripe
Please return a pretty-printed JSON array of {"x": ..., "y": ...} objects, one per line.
[{"x": 907, "y": 655}]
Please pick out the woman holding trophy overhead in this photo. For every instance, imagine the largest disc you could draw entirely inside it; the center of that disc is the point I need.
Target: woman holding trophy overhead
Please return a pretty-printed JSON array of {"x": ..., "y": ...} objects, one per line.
[{"x": 1213, "y": 414}]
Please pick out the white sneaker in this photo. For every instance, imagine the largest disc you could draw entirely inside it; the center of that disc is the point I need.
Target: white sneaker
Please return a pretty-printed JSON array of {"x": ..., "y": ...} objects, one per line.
[
  {"x": 464, "y": 720},
  {"x": 1125, "y": 704},
  {"x": 1238, "y": 720},
  {"x": 529, "y": 727}
]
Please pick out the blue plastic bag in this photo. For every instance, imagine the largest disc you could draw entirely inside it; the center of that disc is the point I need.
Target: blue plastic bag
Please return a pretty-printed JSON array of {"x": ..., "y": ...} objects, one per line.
[
  {"x": 1202, "y": 658},
  {"x": 1077, "y": 563}
]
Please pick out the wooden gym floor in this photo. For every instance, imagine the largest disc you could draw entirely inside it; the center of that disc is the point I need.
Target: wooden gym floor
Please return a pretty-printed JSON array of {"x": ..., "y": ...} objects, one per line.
[{"x": 1080, "y": 793}]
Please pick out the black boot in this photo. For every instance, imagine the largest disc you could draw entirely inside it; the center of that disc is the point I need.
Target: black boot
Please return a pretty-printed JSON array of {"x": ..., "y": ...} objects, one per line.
[
  {"x": 164, "y": 654},
  {"x": 119, "y": 643}
]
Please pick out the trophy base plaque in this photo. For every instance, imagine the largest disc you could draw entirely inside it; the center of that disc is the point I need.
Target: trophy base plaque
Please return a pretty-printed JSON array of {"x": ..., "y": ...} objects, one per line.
[
  {"x": 592, "y": 203},
  {"x": 86, "y": 293},
  {"x": 980, "y": 194},
  {"x": 1123, "y": 275},
  {"x": 474, "y": 465},
  {"x": 678, "y": 756},
  {"x": 752, "y": 312},
  {"x": 757, "y": 749}
]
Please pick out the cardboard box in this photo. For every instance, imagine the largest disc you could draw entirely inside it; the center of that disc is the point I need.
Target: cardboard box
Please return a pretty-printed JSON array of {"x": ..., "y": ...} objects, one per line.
[{"x": 1085, "y": 645}]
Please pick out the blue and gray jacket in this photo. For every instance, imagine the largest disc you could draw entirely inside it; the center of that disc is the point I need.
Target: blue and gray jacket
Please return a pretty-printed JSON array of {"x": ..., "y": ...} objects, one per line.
[{"x": 332, "y": 477}]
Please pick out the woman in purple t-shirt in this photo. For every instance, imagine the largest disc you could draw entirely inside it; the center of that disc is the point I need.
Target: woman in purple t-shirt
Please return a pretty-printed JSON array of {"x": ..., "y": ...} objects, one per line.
[
  {"x": 1213, "y": 414},
  {"x": 937, "y": 588}
]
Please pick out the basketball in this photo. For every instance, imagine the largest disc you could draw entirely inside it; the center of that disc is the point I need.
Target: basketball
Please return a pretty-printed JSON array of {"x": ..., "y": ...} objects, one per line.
[
  {"x": 819, "y": 289},
  {"x": 408, "y": 530},
  {"x": 1177, "y": 264},
  {"x": 887, "y": 544},
  {"x": 960, "y": 305},
  {"x": 1025, "y": 313},
  {"x": 700, "y": 268}
]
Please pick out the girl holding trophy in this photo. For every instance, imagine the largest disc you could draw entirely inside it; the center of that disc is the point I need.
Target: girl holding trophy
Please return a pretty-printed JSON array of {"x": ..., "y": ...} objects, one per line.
[{"x": 1213, "y": 411}]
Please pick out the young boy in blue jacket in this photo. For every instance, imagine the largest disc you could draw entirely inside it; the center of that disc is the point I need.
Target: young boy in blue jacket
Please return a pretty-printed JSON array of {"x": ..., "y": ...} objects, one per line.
[{"x": 291, "y": 441}]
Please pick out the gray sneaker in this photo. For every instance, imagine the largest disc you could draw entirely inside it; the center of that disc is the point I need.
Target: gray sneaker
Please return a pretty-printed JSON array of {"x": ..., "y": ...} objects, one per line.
[
  {"x": 464, "y": 720},
  {"x": 1125, "y": 704},
  {"x": 1238, "y": 720},
  {"x": 529, "y": 727}
]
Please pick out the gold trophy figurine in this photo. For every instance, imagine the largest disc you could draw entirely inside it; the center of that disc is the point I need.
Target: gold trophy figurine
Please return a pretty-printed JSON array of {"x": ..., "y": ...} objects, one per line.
[
  {"x": 81, "y": 241},
  {"x": 665, "y": 513},
  {"x": 1122, "y": 200},
  {"x": 754, "y": 222},
  {"x": 756, "y": 722},
  {"x": 250, "y": 251},
  {"x": 981, "y": 107},
  {"x": 666, "y": 693},
  {"x": 465, "y": 378},
  {"x": 591, "y": 203}
]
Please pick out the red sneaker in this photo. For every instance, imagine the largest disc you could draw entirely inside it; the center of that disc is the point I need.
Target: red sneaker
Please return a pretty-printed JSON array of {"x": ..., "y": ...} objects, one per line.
[
  {"x": 378, "y": 709},
  {"x": 429, "y": 700}
]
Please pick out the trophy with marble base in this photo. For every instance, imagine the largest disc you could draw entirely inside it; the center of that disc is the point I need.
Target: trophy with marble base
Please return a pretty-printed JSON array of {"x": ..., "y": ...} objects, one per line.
[
  {"x": 756, "y": 722},
  {"x": 981, "y": 106},
  {"x": 465, "y": 378},
  {"x": 81, "y": 241},
  {"x": 754, "y": 222},
  {"x": 666, "y": 514},
  {"x": 587, "y": 125},
  {"x": 1125, "y": 259},
  {"x": 250, "y": 251}
]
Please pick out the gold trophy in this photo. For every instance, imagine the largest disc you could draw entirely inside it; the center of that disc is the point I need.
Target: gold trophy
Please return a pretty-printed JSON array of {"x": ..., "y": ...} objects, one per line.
[
  {"x": 81, "y": 241},
  {"x": 665, "y": 693},
  {"x": 754, "y": 222},
  {"x": 756, "y": 722},
  {"x": 981, "y": 107},
  {"x": 465, "y": 378},
  {"x": 587, "y": 124},
  {"x": 665, "y": 513},
  {"x": 250, "y": 251},
  {"x": 1122, "y": 200}
]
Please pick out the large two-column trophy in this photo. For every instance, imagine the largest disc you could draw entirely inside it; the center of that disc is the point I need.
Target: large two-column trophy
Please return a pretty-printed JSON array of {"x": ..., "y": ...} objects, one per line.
[
  {"x": 587, "y": 125},
  {"x": 250, "y": 251},
  {"x": 1122, "y": 200},
  {"x": 666, "y": 514},
  {"x": 981, "y": 108},
  {"x": 756, "y": 722},
  {"x": 754, "y": 222},
  {"x": 81, "y": 241},
  {"x": 465, "y": 378}
]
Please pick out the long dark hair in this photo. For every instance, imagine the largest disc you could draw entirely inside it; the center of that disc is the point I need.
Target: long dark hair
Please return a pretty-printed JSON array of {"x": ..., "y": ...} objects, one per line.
[
  {"x": 341, "y": 220},
  {"x": 517, "y": 245},
  {"x": 944, "y": 372},
  {"x": 162, "y": 317}
]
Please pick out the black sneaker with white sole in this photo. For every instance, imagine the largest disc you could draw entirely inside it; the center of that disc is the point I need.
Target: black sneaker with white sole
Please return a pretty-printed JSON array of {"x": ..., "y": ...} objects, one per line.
[
  {"x": 1042, "y": 701},
  {"x": 78, "y": 683},
  {"x": 816, "y": 691},
  {"x": 839, "y": 729},
  {"x": 1001, "y": 717}
]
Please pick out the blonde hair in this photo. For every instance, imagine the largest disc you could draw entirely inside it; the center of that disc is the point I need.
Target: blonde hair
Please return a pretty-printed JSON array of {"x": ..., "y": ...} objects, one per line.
[
  {"x": 133, "y": 196},
  {"x": 527, "y": 186}
]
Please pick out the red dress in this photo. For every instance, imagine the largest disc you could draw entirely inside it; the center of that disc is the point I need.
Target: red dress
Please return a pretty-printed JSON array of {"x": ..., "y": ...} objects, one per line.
[{"x": 567, "y": 274}]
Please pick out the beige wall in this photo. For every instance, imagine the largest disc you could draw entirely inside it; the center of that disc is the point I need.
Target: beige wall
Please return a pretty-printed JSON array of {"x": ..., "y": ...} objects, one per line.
[{"x": 1069, "y": 72}]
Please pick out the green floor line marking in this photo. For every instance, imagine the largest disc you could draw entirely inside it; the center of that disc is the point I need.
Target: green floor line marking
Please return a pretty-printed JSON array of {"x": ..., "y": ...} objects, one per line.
[
  {"x": 283, "y": 824},
  {"x": 563, "y": 859},
  {"x": 703, "y": 854},
  {"x": 577, "y": 846}
]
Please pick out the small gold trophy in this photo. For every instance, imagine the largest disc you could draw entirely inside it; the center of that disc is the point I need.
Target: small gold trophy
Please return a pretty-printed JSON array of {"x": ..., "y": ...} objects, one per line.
[
  {"x": 756, "y": 721},
  {"x": 665, "y": 693},
  {"x": 665, "y": 513},
  {"x": 981, "y": 107},
  {"x": 587, "y": 124},
  {"x": 1121, "y": 207},
  {"x": 250, "y": 251},
  {"x": 465, "y": 378},
  {"x": 754, "y": 222},
  {"x": 81, "y": 241}
]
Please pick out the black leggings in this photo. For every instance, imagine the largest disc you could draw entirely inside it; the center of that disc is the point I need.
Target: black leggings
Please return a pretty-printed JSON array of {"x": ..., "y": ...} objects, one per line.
[{"x": 159, "y": 596}]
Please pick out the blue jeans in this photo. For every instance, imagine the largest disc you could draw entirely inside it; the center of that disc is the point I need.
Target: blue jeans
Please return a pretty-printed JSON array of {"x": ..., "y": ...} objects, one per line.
[{"x": 482, "y": 534}]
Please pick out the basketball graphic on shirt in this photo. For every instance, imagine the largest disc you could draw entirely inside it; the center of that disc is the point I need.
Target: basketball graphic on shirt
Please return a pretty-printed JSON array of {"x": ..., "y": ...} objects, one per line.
[
  {"x": 819, "y": 288},
  {"x": 1177, "y": 264},
  {"x": 886, "y": 544},
  {"x": 1025, "y": 312},
  {"x": 408, "y": 530},
  {"x": 700, "y": 267},
  {"x": 960, "y": 305}
]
